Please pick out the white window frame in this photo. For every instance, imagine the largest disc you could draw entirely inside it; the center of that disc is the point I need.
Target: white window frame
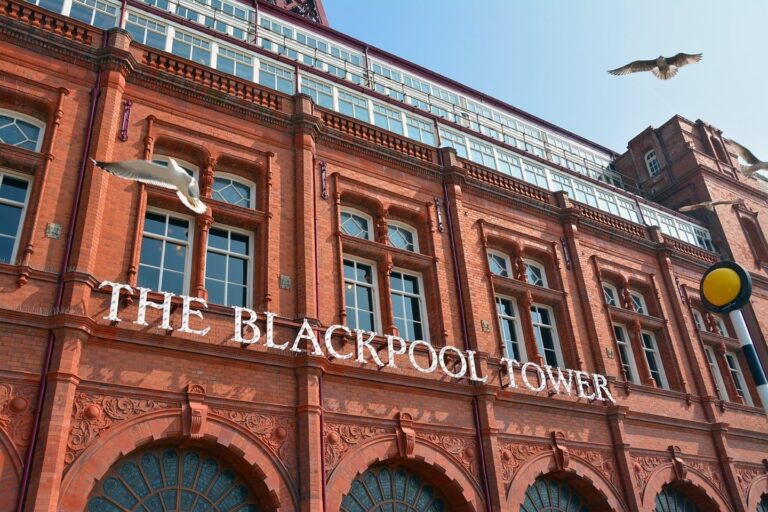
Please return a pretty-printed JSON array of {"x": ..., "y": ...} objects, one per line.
[
  {"x": 387, "y": 112},
  {"x": 513, "y": 164},
  {"x": 482, "y": 154},
  {"x": 516, "y": 320},
  {"x": 405, "y": 227},
  {"x": 507, "y": 263},
  {"x": 608, "y": 287},
  {"x": 242, "y": 181},
  {"x": 358, "y": 213},
  {"x": 456, "y": 141},
  {"x": 722, "y": 325},
  {"x": 362, "y": 104},
  {"x": 221, "y": 49},
  {"x": 654, "y": 350},
  {"x": 249, "y": 259},
  {"x": 190, "y": 245},
  {"x": 535, "y": 175},
  {"x": 698, "y": 320},
  {"x": 422, "y": 301},
  {"x": 652, "y": 164},
  {"x": 17, "y": 240},
  {"x": 722, "y": 392},
  {"x": 184, "y": 164},
  {"x": 633, "y": 294},
  {"x": 626, "y": 344},
  {"x": 538, "y": 266},
  {"x": 31, "y": 120},
  {"x": 416, "y": 127},
  {"x": 555, "y": 336},
  {"x": 738, "y": 377},
  {"x": 145, "y": 20},
  {"x": 374, "y": 289}
]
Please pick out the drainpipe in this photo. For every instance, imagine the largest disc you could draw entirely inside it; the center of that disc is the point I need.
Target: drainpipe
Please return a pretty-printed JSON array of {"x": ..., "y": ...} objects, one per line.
[
  {"x": 30, "y": 456},
  {"x": 464, "y": 332}
]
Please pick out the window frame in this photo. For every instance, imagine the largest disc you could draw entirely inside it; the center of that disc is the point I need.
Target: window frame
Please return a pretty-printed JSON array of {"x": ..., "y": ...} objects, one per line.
[
  {"x": 698, "y": 320},
  {"x": 242, "y": 181},
  {"x": 738, "y": 378},
  {"x": 711, "y": 358},
  {"x": 41, "y": 125},
  {"x": 650, "y": 158},
  {"x": 634, "y": 294},
  {"x": 354, "y": 211},
  {"x": 608, "y": 287},
  {"x": 517, "y": 320},
  {"x": 555, "y": 335},
  {"x": 184, "y": 164},
  {"x": 164, "y": 238},
  {"x": 405, "y": 227},
  {"x": 634, "y": 377},
  {"x": 23, "y": 216},
  {"x": 421, "y": 296},
  {"x": 375, "y": 290},
  {"x": 535, "y": 264},
  {"x": 250, "y": 260},
  {"x": 654, "y": 349},
  {"x": 505, "y": 258}
]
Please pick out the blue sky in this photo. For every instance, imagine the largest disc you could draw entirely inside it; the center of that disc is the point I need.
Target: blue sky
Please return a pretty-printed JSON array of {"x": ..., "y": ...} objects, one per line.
[{"x": 550, "y": 57}]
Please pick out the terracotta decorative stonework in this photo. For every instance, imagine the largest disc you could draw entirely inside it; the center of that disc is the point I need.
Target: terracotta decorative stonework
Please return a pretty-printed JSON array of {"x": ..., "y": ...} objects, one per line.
[
  {"x": 514, "y": 455},
  {"x": 93, "y": 414},
  {"x": 601, "y": 460},
  {"x": 276, "y": 432},
  {"x": 643, "y": 467},
  {"x": 745, "y": 475},
  {"x": 16, "y": 406},
  {"x": 462, "y": 449},
  {"x": 340, "y": 437},
  {"x": 709, "y": 470}
]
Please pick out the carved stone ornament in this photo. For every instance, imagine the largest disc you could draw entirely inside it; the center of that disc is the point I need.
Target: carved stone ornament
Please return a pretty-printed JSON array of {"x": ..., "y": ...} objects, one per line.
[
  {"x": 406, "y": 435},
  {"x": 462, "y": 449},
  {"x": 678, "y": 464},
  {"x": 709, "y": 470},
  {"x": 513, "y": 455},
  {"x": 745, "y": 475},
  {"x": 562, "y": 456},
  {"x": 642, "y": 467},
  {"x": 94, "y": 414},
  {"x": 194, "y": 412},
  {"x": 601, "y": 460},
  {"x": 17, "y": 403},
  {"x": 340, "y": 437}
]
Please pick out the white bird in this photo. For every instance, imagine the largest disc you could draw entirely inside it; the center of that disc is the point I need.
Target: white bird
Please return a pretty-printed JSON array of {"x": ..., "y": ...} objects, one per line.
[
  {"x": 173, "y": 177},
  {"x": 662, "y": 68},
  {"x": 708, "y": 205},
  {"x": 753, "y": 164}
]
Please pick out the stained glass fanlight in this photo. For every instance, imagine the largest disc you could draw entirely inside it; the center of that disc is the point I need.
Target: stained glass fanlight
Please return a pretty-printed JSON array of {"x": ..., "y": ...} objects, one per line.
[
  {"x": 172, "y": 479},
  {"x": 550, "y": 495},
  {"x": 671, "y": 500},
  {"x": 387, "y": 489}
]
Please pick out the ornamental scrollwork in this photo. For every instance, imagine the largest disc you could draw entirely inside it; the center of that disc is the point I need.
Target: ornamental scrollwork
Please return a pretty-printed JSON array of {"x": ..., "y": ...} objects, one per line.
[
  {"x": 17, "y": 403},
  {"x": 514, "y": 455},
  {"x": 642, "y": 467},
  {"x": 462, "y": 449},
  {"x": 340, "y": 437},
  {"x": 602, "y": 461},
  {"x": 94, "y": 414},
  {"x": 745, "y": 475},
  {"x": 709, "y": 470}
]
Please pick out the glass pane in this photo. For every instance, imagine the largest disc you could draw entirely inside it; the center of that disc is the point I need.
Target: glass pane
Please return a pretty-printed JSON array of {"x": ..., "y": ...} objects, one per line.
[
  {"x": 411, "y": 284},
  {"x": 156, "y": 40},
  {"x": 364, "y": 298},
  {"x": 239, "y": 244},
  {"x": 215, "y": 291},
  {"x": 238, "y": 271},
  {"x": 173, "y": 282},
  {"x": 178, "y": 228},
  {"x": 10, "y": 217},
  {"x": 349, "y": 269},
  {"x": 218, "y": 238},
  {"x": 6, "y": 249},
  {"x": 14, "y": 189},
  {"x": 237, "y": 295},
  {"x": 52, "y": 5},
  {"x": 149, "y": 277},
  {"x": 81, "y": 12},
  {"x": 154, "y": 223},
  {"x": 151, "y": 251},
  {"x": 215, "y": 266},
  {"x": 175, "y": 257}
]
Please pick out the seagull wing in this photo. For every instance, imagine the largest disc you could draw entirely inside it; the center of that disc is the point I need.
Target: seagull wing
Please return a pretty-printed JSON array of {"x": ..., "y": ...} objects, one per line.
[
  {"x": 192, "y": 203},
  {"x": 744, "y": 153},
  {"x": 752, "y": 169},
  {"x": 143, "y": 171},
  {"x": 634, "y": 67},
  {"x": 683, "y": 59},
  {"x": 690, "y": 207}
]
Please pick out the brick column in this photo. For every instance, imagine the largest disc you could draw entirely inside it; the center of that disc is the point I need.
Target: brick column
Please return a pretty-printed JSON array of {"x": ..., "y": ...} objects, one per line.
[
  {"x": 616, "y": 416},
  {"x": 489, "y": 435},
  {"x": 720, "y": 440},
  {"x": 202, "y": 227},
  {"x": 48, "y": 465},
  {"x": 309, "y": 414}
]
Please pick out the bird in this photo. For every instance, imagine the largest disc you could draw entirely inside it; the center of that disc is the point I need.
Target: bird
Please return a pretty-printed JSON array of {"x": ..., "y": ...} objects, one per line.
[
  {"x": 173, "y": 177},
  {"x": 662, "y": 68},
  {"x": 754, "y": 164},
  {"x": 708, "y": 205}
]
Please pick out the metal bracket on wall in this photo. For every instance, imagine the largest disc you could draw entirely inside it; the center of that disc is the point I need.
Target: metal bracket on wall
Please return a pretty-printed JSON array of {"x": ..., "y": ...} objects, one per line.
[{"x": 127, "y": 105}]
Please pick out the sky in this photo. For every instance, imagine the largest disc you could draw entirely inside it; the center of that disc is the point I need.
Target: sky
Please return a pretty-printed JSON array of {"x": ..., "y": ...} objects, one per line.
[{"x": 550, "y": 58}]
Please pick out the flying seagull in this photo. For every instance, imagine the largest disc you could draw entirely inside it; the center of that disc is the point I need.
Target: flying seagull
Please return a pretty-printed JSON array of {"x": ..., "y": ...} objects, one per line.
[
  {"x": 708, "y": 205},
  {"x": 754, "y": 164},
  {"x": 172, "y": 177},
  {"x": 663, "y": 68}
]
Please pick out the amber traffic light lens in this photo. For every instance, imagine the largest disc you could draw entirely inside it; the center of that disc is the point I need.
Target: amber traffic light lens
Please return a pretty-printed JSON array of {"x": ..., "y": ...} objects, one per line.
[{"x": 721, "y": 286}]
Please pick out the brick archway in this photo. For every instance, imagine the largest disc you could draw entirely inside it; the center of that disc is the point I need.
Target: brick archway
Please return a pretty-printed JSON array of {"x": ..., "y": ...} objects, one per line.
[
  {"x": 755, "y": 492},
  {"x": 10, "y": 472},
  {"x": 166, "y": 426},
  {"x": 693, "y": 480},
  {"x": 459, "y": 488},
  {"x": 582, "y": 476}
]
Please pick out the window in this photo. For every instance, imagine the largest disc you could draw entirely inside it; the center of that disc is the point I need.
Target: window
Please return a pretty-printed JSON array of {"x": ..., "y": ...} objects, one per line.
[
  {"x": 652, "y": 357},
  {"x": 652, "y": 163},
  {"x": 234, "y": 63},
  {"x": 360, "y": 295},
  {"x": 611, "y": 296},
  {"x": 607, "y": 202},
  {"x": 232, "y": 191},
  {"x": 164, "y": 253},
  {"x": 638, "y": 302},
  {"x": 321, "y": 93},
  {"x": 586, "y": 194},
  {"x": 14, "y": 193},
  {"x": 402, "y": 236},
  {"x": 738, "y": 377},
  {"x": 192, "y": 48},
  {"x": 562, "y": 182},
  {"x": 721, "y": 325},
  {"x": 227, "y": 267},
  {"x": 534, "y": 274},
  {"x": 20, "y": 131},
  {"x": 52, "y": 5},
  {"x": 722, "y": 393},
  {"x": 482, "y": 154},
  {"x": 626, "y": 356},
  {"x": 699, "y": 320},
  {"x": 357, "y": 224},
  {"x": 93, "y": 12},
  {"x": 509, "y": 164},
  {"x": 162, "y": 4},
  {"x": 146, "y": 31},
  {"x": 534, "y": 175},
  {"x": 499, "y": 264},
  {"x": 276, "y": 78},
  {"x": 420, "y": 130},
  {"x": 407, "y": 305},
  {"x": 354, "y": 106},
  {"x": 455, "y": 141},
  {"x": 191, "y": 169},
  {"x": 509, "y": 325},
  {"x": 187, "y": 13},
  {"x": 546, "y": 335},
  {"x": 627, "y": 210},
  {"x": 387, "y": 118}
]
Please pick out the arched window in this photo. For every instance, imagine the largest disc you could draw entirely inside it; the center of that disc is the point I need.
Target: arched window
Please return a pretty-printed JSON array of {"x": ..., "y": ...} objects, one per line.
[
  {"x": 652, "y": 163},
  {"x": 699, "y": 320},
  {"x": 172, "y": 479},
  {"x": 356, "y": 223},
  {"x": 638, "y": 301},
  {"x": 191, "y": 168},
  {"x": 20, "y": 130},
  {"x": 402, "y": 236},
  {"x": 610, "y": 295},
  {"x": 535, "y": 274},
  {"x": 233, "y": 190},
  {"x": 499, "y": 264},
  {"x": 671, "y": 500},
  {"x": 388, "y": 489},
  {"x": 552, "y": 496}
]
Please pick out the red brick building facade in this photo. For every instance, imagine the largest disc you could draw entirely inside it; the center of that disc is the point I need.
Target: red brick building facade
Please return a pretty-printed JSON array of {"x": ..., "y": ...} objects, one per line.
[{"x": 341, "y": 192}]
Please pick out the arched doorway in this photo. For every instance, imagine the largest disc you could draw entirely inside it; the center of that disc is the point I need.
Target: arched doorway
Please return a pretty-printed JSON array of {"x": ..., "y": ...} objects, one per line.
[
  {"x": 172, "y": 478},
  {"x": 672, "y": 500},
  {"x": 385, "y": 488},
  {"x": 547, "y": 494},
  {"x": 763, "y": 505}
]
